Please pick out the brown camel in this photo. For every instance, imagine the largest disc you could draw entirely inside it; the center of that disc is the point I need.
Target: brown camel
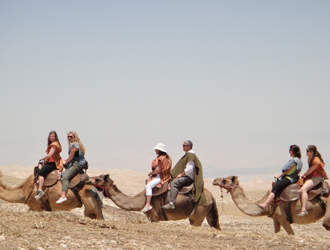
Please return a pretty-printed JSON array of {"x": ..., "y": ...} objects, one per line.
[
  {"x": 280, "y": 215},
  {"x": 25, "y": 193},
  {"x": 183, "y": 207}
]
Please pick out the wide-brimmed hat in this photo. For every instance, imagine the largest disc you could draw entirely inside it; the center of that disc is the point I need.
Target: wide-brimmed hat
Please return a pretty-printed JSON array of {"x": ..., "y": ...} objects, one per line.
[{"x": 160, "y": 147}]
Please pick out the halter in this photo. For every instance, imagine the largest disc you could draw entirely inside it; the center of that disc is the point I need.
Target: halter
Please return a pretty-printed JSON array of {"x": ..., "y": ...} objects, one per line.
[
  {"x": 104, "y": 188},
  {"x": 228, "y": 187}
]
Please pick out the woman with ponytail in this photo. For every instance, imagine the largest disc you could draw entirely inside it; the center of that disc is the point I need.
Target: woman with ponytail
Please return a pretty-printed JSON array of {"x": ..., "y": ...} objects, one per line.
[{"x": 313, "y": 176}]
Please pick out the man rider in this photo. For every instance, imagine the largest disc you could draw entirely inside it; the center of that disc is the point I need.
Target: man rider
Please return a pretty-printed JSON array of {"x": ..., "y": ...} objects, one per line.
[{"x": 186, "y": 171}]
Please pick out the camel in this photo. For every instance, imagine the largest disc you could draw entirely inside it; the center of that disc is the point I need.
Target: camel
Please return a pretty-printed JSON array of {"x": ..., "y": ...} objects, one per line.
[
  {"x": 183, "y": 207},
  {"x": 26, "y": 191},
  {"x": 280, "y": 214}
]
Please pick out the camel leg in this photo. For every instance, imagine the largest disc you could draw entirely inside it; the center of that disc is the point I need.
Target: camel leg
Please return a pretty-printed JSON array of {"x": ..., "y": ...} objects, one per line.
[
  {"x": 92, "y": 207},
  {"x": 326, "y": 223},
  {"x": 198, "y": 215},
  {"x": 277, "y": 226},
  {"x": 212, "y": 220},
  {"x": 287, "y": 227},
  {"x": 212, "y": 216}
]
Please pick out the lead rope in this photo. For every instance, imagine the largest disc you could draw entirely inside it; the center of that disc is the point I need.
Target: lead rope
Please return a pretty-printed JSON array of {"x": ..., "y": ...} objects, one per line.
[
  {"x": 221, "y": 202},
  {"x": 35, "y": 179}
]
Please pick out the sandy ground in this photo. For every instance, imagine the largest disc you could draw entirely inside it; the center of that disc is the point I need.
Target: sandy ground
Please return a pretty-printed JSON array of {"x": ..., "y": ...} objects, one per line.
[{"x": 24, "y": 229}]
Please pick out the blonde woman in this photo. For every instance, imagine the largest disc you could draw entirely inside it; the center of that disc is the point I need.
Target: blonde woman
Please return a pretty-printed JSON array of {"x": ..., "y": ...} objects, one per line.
[{"x": 74, "y": 164}]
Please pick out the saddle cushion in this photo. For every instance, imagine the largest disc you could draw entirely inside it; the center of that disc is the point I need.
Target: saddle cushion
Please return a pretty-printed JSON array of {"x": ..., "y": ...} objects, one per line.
[
  {"x": 183, "y": 190},
  {"x": 51, "y": 179},
  {"x": 157, "y": 191},
  {"x": 292, "y": 192}
]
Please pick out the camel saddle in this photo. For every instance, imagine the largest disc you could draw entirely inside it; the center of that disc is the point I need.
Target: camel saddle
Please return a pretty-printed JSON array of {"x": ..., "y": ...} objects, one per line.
[
  {"x": 183, "y": 190},
  {"x": 292, "y": 192},
  {"x": 52, "y": 178}
]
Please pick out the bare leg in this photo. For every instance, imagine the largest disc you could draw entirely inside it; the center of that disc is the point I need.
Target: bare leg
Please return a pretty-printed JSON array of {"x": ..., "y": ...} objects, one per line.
[
  {"x": 41, "y": 183},
  {"x": 148, "y": 201},
  {"x": 270, "y": 197},
  {"x": 304, "y": 196}
]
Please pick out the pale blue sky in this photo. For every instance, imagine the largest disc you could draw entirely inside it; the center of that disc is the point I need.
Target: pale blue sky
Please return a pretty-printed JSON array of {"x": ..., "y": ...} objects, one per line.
[{"x": 242, "y": 79}]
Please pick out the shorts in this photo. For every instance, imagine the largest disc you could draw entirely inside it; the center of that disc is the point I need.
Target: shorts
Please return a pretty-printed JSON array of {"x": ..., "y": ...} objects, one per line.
[{"x": 316, "y": 180}]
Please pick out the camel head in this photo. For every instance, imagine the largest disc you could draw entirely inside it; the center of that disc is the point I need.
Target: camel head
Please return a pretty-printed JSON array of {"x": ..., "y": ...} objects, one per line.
[
  {"x": 101, "y": 182},
  {"x": 228, "y": 183}
]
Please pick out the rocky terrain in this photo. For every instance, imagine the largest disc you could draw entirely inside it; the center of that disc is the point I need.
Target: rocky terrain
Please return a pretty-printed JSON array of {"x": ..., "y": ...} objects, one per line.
[{"x": 24, "y": 229}]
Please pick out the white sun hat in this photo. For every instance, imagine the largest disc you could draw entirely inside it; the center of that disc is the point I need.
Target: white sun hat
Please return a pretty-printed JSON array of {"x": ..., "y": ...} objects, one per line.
[{"x": 160, "y": 147}]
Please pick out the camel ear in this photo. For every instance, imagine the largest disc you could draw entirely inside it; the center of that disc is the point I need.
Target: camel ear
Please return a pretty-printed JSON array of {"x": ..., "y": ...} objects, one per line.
[
  {"x": 106, "y": 177},
  {"x": 234, "y": 179}
]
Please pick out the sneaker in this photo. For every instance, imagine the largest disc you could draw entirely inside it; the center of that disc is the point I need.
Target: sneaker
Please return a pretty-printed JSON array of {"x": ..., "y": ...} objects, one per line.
[
  {"x": 168, "y": 206},
  {"x": 146, "y": 209},
  {"x": 39, "y": 194},
  {"x": 60, "y": 200}
]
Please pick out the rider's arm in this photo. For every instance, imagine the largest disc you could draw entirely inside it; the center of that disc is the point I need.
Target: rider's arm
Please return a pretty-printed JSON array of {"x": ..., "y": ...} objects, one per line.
[
  {"x": 50, "y": 154},
  {"x": 287, "y": 171},
  {"x": 157, "y": 170},
  {"x": 311, "y": 169},
  {"x": 189, "y": 169},
  {"x": 71, "y": 155}
]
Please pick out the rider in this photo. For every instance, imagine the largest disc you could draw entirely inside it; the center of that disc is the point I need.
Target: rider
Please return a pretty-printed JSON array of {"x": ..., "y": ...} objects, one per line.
[
  {"x": 52, "y": 160},
  {"x": 289, "y": 175},
  {"x": 313, "y": 176},
  {"x": 161, "y": 173},
  {"x": 74, "y": 164},
  {"x": 188, "y": 170}
]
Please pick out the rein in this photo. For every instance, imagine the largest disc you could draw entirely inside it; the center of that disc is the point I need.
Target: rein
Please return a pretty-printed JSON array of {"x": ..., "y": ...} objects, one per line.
[
  {"x": 228, "y": 187},
  {"x": 104, "y": 188}
]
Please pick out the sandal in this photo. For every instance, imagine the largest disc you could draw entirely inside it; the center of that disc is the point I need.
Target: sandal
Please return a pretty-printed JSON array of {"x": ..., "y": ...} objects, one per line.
[{"x": 302, "y": 213}]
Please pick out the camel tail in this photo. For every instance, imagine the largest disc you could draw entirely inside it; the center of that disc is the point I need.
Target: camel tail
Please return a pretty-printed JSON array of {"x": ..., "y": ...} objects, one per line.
[{"x": 213, "y": 215}]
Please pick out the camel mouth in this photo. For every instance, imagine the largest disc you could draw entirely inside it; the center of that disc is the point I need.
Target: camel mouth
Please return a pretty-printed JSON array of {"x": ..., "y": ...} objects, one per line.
[{"x": 218, "y": 183}]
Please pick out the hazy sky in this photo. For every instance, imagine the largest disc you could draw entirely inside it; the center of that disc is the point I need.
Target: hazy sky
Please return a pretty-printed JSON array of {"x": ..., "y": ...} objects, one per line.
[{"x": 242, "y": 79}]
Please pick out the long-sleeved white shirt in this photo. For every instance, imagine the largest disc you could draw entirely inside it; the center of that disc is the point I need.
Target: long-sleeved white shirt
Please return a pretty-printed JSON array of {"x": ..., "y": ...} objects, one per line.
[{"x": 190, "y": 167}]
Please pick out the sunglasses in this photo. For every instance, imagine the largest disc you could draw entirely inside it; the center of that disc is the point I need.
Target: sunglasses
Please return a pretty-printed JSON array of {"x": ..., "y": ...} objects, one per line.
[
  {"x": 308, "y": 150},
  {"x": 70, "y": 136},
  {"x": 185, "y": 145}
]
